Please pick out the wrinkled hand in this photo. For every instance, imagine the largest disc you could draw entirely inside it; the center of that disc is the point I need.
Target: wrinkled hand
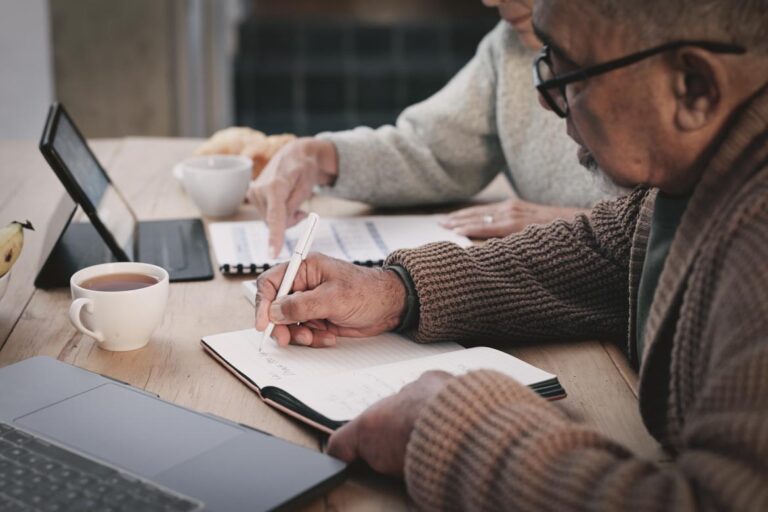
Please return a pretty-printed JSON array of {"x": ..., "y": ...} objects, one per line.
[
  {"x": 288, "y": 180},
  {"x": 330, "y": 298},
  {"x": 504, "y": 218},
  {"x": 380, "y": 435}
]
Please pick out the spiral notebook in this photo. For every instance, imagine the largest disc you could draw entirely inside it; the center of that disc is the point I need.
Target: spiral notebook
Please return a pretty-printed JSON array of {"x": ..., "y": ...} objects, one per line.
[
  {"x": 327, "y": 387},
  {"x": 242, "y": 248}
]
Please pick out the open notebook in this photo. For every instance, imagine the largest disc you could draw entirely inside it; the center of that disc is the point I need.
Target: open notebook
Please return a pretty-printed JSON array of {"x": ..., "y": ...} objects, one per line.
[
  {"x": 242, "y": 248},
  {"x": 327, "y": 387}
]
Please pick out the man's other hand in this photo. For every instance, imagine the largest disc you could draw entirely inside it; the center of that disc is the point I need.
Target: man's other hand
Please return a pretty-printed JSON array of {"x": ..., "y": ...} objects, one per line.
[{"x": 380, "y": 435}]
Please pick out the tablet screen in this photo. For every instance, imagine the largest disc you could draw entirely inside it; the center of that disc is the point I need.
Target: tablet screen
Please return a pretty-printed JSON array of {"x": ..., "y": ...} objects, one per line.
[{"x": 109, "y": 205}]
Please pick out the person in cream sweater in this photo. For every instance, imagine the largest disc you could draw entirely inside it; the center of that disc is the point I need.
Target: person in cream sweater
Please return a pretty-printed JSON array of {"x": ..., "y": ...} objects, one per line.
[{"x": 485, "y": 121}]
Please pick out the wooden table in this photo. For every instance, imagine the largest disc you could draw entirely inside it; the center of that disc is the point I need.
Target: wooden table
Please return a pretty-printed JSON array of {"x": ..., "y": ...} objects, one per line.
[{"x": 602, "y": 390}]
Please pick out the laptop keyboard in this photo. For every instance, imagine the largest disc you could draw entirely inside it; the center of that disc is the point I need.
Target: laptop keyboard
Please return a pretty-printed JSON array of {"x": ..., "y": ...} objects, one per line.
[{"x": 36, "y": 475}]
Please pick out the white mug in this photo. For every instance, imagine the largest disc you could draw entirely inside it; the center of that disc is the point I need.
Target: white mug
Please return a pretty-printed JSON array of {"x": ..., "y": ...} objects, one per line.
[
  {"x": 216, "y": 183},
  {"x": 119, "y": 320}
]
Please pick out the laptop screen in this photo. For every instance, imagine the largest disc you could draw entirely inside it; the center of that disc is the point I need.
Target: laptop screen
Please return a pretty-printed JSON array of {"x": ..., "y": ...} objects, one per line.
[{"x": 110, "y": 206}]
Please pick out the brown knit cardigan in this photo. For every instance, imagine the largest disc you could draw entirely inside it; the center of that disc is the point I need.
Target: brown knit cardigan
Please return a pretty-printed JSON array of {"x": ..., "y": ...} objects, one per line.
[{"x": 488, "y": 443}]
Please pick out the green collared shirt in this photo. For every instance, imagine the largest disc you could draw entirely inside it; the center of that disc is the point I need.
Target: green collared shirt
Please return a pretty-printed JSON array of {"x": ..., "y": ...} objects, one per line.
[{"x": 667, "y": 214}]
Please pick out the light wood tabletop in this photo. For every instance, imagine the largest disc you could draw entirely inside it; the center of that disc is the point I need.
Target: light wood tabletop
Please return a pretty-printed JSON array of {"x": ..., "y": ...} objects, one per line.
[{"x": 602, "y": 389}]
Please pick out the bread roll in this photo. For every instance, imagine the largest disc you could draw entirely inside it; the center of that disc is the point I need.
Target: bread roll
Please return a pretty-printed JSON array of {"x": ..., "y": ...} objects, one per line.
[{"x": 245, "y": 141}]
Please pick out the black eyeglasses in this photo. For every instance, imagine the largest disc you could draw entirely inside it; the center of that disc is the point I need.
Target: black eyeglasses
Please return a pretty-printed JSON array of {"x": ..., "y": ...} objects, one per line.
[{"x": 552, "y": 87}]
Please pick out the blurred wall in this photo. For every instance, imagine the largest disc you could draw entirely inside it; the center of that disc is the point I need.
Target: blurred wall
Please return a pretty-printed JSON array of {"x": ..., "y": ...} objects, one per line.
[
  {"x": 114, "y": 65},
  {"x": 145, "y": 67},
  {"x": 165, "y": 67},
  {"x": 26, "y": 81}
]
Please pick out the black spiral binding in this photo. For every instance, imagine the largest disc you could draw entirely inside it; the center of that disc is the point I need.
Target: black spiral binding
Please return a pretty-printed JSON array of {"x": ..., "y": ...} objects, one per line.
[{"x": 254, "y": 269}]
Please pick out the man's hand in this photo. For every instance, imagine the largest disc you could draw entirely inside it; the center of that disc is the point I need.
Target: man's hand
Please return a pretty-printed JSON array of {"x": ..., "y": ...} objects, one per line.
[
  {"x": 330, "y": 298},
  {"x": 288, "y": 180},
  {"x": 380, "y": 435},
  {"x": 504, "y": 218}
]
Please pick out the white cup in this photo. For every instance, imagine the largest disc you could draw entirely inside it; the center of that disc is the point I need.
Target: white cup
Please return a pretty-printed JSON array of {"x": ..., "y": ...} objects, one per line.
[
  {"x": 119, "y": 320},
  {"x": 216, "y": 183}
]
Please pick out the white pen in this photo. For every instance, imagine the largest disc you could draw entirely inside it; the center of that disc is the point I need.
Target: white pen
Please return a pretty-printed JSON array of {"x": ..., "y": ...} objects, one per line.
[{"x": 299, "y": 254}]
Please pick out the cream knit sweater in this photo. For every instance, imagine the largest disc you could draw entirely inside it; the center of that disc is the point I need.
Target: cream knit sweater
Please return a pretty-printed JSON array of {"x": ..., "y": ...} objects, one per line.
[{"x": 486, "y": 120}]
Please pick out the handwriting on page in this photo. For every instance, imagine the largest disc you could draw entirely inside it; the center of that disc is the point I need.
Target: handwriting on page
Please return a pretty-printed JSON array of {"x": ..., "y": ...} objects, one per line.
[
  {"x": 280, "y": 370},
  {"x": 343, "y": 396},
  {"x": 361, "y": 391},
  {"x": 241, "y": 350}
]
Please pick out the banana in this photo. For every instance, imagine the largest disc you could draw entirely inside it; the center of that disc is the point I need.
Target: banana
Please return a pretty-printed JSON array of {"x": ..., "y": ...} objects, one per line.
[{"x": 11, "y": 243}]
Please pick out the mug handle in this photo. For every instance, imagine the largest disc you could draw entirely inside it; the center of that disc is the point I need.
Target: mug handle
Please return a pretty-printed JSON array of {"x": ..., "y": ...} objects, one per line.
[{"x": 74, "y": 317}]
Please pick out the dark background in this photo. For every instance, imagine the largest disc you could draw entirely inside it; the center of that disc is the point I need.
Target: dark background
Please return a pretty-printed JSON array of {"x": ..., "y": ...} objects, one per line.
[{"x": 305, "y": 67}]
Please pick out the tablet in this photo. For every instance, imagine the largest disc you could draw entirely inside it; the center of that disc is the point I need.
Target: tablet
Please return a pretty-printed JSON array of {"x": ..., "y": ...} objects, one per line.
[
  {"x": 177, "y": 245},
  {"x": 86, "y": 181}
]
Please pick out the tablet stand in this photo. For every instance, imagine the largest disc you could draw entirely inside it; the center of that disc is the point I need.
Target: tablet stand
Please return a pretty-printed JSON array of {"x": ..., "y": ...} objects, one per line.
[
  {"x": 79, "y": 246},
  {"x": 177, "y": 245}
]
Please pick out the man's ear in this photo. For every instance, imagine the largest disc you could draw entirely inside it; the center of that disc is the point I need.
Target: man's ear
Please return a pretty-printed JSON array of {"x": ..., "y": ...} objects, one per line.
[{"x": 697, "y": 84}]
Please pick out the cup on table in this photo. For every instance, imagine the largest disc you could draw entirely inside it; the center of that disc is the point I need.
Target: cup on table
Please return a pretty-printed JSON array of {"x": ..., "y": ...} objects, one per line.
[
  {"x": 216, "y": 183},
  {"x": 119, "y": 304}
]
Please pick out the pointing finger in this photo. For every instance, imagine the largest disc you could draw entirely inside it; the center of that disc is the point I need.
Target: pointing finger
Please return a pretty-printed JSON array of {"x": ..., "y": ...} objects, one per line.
[{"x": 275, "y": 219}]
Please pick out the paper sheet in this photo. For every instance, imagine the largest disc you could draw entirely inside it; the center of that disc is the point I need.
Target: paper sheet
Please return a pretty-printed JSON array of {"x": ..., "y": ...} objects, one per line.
[
  {"x": 276, "y": 364},
  {"x": 355, "y": 239},
  {"x": 343, "y": 396}
]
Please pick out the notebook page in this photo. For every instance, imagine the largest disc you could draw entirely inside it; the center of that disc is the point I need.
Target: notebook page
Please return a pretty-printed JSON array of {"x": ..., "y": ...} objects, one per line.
[
  {"x": 351, "y": 239},
  {"x": 342, "y": 397},
  {"x": 271, "y": 367}
]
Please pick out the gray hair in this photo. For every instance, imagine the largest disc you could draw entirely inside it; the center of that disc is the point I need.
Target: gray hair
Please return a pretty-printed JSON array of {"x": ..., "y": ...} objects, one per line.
[{"x": 743, "y": 22}]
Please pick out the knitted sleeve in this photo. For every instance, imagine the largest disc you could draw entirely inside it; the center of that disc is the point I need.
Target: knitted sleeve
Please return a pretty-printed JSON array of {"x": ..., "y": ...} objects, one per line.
[
  {"x": 541, "y": 284},
  {"x": 486, "y": 442}
]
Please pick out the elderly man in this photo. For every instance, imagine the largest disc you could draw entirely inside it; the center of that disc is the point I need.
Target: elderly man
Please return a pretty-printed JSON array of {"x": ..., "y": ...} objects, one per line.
[{"x": 668, "y": 95}]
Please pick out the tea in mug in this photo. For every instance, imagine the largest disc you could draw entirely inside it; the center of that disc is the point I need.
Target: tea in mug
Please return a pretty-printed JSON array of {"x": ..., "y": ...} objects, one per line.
[{"x": 118, "y": 282}]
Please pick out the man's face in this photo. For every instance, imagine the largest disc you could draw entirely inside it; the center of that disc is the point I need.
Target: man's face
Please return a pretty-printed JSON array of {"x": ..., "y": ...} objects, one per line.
[{"x": 620, "y": 119}]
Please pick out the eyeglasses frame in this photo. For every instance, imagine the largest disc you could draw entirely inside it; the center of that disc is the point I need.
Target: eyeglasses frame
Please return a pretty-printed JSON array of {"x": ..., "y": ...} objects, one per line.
[{"x": 560, "y": 82}]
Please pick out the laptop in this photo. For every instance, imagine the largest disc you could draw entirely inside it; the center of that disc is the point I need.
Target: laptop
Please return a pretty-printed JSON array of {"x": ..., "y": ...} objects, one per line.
[
  {"x": 114, "y": 232},
  {"x": 75, "y": 440}
]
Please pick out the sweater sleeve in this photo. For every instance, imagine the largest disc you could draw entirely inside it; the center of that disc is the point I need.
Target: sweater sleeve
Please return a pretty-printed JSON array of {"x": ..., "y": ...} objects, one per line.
[
  {"x": 443, "y": 149},
  {"x": 486, "y": 442},
  {"x": 536, "y": 285}
]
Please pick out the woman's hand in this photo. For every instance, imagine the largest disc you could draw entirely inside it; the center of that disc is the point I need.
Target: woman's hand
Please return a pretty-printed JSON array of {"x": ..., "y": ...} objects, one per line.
[
  {"x": 288, "y": 180},
  {"x": 504, "y": 218}
]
